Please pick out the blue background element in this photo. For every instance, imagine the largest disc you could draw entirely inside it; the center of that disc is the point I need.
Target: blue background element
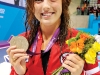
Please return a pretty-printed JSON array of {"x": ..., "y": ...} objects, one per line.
[
  {"x": 2, "y": 54},
  {"x": 12, "y": 22},
  {"x": 93, "y": 25}
]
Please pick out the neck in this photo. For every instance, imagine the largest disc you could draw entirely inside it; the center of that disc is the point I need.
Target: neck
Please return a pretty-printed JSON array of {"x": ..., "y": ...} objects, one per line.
[{"x": 48, "y": 31}]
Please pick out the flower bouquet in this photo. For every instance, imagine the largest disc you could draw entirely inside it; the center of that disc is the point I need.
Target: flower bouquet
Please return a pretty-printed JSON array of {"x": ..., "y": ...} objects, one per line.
[{"x": 85, "y": 45}]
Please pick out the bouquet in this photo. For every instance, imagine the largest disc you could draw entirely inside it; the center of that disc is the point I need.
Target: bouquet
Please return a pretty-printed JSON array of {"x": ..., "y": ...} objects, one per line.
[{"x": 85, "y": 45}]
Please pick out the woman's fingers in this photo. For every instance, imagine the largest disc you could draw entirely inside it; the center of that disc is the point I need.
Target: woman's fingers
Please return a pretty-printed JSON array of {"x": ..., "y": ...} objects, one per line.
[
  {"x": 67, "y": 67},
  {"x": 23, "y": 59},
  {"x": 74, "y": 64},
  {"x": 9, "y": 49},
  {"x": 19, "y": 58},
  {"x": 15, "y": 51},
  {"x": 74, "y": 58},
  {"x": 70, "y": 63},
  {"x": 16, "y": 56}
]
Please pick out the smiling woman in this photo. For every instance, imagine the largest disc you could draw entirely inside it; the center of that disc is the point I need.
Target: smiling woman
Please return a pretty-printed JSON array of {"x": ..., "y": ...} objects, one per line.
[{"x": 47, "y": 29}]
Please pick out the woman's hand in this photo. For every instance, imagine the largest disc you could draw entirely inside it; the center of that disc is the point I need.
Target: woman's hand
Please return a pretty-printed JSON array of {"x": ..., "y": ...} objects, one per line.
[
  {"x": 74, "y": 64},
  {"x": 17, "y": 59}
]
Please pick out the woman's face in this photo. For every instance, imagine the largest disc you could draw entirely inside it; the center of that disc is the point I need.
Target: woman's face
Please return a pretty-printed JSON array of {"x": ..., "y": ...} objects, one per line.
[{"x": 48, "y": 12}]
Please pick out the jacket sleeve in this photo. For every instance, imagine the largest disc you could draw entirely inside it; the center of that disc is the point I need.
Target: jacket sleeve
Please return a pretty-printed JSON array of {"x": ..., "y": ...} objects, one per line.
[
  {"x": 13, "y": 71},
  {"x": 92, "y": 69}
]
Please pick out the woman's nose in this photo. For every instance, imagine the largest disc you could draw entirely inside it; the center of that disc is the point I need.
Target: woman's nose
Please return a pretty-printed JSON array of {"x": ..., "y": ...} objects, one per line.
[{"x": 46, "y": 5}]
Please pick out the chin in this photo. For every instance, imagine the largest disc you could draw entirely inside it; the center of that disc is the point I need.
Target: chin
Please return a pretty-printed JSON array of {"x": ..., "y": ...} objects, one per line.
[{"x": 47, "y": 23}]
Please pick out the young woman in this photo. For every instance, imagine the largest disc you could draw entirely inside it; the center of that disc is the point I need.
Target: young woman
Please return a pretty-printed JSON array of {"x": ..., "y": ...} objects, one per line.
[{"x": 48, "y": 25}]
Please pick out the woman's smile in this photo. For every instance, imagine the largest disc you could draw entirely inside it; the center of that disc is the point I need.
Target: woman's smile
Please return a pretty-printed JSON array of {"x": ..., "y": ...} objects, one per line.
[{"x": 47, "y": 15}]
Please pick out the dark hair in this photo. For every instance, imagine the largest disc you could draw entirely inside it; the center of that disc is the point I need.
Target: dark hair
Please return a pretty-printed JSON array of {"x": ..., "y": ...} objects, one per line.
[{"x": 32, "y": 23}]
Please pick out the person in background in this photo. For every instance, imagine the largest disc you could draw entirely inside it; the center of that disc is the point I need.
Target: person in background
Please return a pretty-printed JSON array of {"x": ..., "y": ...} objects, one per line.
[
  {"x": 97, "y": 14},
  {"x": 16, "y": 2},
  {"x": 82, "y": 10},
  {"x": 47, "y": 29},
  {"x": 88, "y": 1},
  {"x": 78, "y": 10},
  {"x": 21, "y": 3}
]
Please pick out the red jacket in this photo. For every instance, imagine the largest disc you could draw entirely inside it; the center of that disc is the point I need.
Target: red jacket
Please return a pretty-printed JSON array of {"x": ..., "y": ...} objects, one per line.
[{"x": 34, "y": 66}]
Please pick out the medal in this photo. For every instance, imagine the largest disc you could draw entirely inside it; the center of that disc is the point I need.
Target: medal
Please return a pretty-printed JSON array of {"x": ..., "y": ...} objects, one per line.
[{"x": 20, "y": 42}]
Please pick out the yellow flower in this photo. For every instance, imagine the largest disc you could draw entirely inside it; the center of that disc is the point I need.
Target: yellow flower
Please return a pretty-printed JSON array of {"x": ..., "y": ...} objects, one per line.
[
  {"x": 67, "y": 42},
  {"x": 90, "y": 56},
  {"x": 96, "y": 46}
]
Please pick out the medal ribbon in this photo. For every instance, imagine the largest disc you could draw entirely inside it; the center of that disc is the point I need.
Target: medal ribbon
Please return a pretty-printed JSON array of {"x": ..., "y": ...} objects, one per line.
[{"x": 50, "y": 44}]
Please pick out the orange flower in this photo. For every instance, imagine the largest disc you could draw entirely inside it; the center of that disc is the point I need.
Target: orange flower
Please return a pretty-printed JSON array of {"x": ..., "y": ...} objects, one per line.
[
  {"x": 73, "y": 46},
  {"x": 84, "y": 36},
  {"x": 77, "y": 46}
]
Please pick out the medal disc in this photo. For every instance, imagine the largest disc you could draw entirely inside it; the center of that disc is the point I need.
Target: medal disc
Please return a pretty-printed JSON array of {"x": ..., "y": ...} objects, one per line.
[{"x": 20, "y": 42}]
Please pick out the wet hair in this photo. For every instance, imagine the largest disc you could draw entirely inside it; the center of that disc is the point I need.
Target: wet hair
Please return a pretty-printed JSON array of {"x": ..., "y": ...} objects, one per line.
[{"x": 32, "y": 24}]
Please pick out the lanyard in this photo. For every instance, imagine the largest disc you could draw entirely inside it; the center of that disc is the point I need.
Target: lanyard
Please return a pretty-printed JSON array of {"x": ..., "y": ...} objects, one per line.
[{"x": 50, "y": 44}]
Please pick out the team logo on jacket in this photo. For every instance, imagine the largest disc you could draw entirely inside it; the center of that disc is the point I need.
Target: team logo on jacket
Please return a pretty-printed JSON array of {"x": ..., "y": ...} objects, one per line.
[{"x": 63, "y": 57}]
